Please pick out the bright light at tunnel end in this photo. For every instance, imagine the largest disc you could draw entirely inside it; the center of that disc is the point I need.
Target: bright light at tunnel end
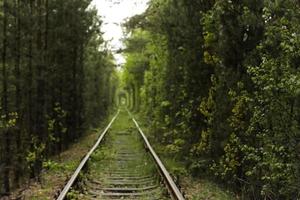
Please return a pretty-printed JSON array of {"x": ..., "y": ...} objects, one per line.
[{"x": 114, "y": 13}]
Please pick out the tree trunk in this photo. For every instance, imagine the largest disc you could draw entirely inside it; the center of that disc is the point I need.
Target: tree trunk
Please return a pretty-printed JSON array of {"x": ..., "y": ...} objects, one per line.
[
  {"x": 30, "y": 85},
  {"x": 5, "y": 101},
  {"x": 18, "y": 96},
  {"x": 40, "y": 100}
]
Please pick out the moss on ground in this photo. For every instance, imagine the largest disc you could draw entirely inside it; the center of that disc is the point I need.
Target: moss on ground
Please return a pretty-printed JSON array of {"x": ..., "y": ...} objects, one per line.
[
  {"x": 57, "y": 171},
  {"x": 122, "y": 138},
  {"x": 205, "y": 190},
  {"x": 194, "y": 188},
  {"x": 60, "y": 167}
]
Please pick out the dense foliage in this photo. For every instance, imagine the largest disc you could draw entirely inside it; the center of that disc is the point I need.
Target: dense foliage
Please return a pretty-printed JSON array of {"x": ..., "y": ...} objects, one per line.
[
  {"x": 219, "y": 81},
  {"x": 57, "y": 80}
]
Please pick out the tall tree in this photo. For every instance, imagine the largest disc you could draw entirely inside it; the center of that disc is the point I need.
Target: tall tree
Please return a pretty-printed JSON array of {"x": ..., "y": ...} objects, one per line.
[
  {"x": 220, "y": 89},
  {"x": 5, "y": 111},
  {"x": 46, "y": 92},
  {"x": 18, "y": 96}
]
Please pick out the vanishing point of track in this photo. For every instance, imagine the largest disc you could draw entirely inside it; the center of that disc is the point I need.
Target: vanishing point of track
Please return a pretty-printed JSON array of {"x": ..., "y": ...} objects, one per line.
[{"x": 122, "y": 165}]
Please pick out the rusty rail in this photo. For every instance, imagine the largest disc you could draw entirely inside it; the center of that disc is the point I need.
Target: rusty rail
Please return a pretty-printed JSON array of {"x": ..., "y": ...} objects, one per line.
[
  {"x": 172, "y": 187},
  {"x": 84, "y": 161}
]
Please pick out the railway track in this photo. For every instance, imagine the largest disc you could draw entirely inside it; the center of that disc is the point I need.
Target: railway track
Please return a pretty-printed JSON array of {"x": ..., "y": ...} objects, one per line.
[{"x": 121, "y": 165}]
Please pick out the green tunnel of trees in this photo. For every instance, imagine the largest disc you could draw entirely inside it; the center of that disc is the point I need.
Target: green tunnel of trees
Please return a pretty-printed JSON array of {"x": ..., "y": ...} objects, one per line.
[
  {"x": 219, "y": 82},
  {"x": 217, "y": 79},
  {"x": 57, "y": 80}
]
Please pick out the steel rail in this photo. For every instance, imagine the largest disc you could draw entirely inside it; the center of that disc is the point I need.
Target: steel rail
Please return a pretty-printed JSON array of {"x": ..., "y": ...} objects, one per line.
[
  {"x": 73, "y": 178},
  {"x": 176, "y": 194}
]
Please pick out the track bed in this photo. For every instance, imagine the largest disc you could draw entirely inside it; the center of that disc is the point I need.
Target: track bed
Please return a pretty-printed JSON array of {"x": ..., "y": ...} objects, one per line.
[{"x": 121, "y": 167}]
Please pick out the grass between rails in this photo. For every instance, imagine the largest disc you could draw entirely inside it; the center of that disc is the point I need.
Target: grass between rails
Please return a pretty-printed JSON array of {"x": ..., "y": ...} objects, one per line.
[
  {"x": 194, "y": 188},
  {"x": 108, "y": 161},
  {"x": 58, "y": 170},
  {"x": 63, "y": 165}
]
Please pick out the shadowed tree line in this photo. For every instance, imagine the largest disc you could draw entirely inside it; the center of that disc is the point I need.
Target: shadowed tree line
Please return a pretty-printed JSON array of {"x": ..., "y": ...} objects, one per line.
[
  {"x": 219, "y": 82},
  {"x": 57, "y": 80}
]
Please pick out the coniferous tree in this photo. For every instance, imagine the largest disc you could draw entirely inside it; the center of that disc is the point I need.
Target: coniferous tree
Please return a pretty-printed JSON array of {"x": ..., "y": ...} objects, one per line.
[{"x": 44, "y": 88}]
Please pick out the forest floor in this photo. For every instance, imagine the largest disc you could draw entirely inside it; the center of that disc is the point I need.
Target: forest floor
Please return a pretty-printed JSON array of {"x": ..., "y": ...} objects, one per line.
[
  {"x": 57, "y": 171},
  {"x": 62, "y": 166},
  {"x": 194, "y": 188}
]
